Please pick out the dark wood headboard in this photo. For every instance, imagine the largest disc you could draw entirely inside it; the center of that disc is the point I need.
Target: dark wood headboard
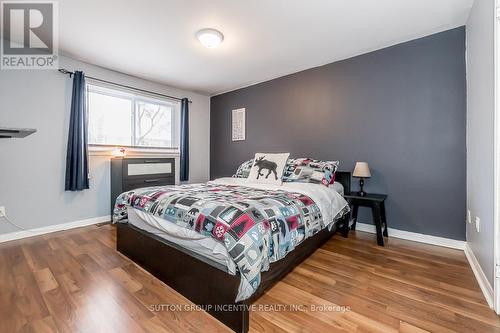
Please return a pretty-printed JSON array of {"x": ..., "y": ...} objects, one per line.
[{"x": 344, "y": 178}]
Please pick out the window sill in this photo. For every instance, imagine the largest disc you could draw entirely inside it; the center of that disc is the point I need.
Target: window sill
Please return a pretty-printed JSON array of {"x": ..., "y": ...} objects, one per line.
[{"x": 103, "y": 151}]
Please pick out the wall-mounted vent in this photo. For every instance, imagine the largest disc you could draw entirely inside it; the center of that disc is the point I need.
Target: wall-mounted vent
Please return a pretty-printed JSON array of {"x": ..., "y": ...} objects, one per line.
[{"x": 7, "y": 133}]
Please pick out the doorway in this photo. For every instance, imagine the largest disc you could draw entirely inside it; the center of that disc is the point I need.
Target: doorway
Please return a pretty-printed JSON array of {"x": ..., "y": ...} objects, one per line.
[{"x": 496, "y": 197}]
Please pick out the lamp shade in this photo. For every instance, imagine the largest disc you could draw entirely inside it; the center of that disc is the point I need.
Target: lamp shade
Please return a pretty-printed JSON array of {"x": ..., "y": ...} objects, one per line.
[{"x": 362, "y": 170}]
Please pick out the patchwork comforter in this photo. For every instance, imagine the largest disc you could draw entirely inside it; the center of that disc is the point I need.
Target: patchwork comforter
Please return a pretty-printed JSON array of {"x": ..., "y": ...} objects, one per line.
[{"x": 256, "y": 226}]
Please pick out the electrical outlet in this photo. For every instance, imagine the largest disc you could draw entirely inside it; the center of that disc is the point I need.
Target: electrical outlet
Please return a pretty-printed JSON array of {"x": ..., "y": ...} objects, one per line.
[
  {"x": 478, "y": 222},
  {"x": 2, "y": 211},
  {"x": 469, "y": 218}
]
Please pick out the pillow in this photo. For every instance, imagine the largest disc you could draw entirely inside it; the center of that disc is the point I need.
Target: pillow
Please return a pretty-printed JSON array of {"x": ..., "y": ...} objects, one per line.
[
  {"x": 310, "y": 171},
  {"x": 268, "y": 168},
  {"x": 244, "y": 169}
]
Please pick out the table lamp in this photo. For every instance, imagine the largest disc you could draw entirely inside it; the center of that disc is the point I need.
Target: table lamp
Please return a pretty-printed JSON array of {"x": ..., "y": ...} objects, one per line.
[
  {"x": 361, "y": 171},
  {"x": 119, "y": 153}
]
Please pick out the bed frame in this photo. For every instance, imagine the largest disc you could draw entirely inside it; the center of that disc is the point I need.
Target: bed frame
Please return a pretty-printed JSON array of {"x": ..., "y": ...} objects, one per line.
[{"x": 206, "y": 283}]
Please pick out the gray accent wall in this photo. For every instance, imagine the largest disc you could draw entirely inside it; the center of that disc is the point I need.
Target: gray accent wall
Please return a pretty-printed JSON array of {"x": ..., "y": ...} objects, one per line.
[{"x": 402, "y": 109}]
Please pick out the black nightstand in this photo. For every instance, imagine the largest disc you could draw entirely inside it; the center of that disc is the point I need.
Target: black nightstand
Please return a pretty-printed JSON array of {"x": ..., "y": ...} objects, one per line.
[{"x": 377, "y": 203}]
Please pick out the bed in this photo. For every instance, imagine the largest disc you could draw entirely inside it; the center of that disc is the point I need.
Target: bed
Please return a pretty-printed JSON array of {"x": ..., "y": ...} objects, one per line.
[{"x": 208, "y": 272}]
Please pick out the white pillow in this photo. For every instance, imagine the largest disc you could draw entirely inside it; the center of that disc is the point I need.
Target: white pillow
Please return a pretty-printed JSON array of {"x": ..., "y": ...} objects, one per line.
[{"x": 268, "y": 168}]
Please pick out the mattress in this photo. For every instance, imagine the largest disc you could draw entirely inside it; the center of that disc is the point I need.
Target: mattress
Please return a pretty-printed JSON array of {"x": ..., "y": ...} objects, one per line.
[
  {"x": 205, "y": 246},
  {"x": 188, "y": 239}
]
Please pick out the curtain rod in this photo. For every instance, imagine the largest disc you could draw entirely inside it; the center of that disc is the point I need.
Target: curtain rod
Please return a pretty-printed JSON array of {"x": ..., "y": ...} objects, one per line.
[{"x": 70, "y": 73}]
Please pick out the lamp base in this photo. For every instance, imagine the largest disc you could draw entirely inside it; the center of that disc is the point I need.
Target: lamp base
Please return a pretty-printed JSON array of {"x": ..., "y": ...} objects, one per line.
[{"x": 361, "y": 193}]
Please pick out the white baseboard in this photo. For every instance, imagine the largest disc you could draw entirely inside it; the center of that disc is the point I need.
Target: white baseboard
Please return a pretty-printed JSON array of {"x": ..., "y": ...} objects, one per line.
[
  {"x": 483, "y": 282},
  {"x": 53, "y": 228},
  {"x": 416, "y": 237}
]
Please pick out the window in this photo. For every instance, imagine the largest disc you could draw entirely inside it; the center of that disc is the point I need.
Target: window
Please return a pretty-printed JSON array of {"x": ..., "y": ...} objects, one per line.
[{"x": 121, "y": 118}]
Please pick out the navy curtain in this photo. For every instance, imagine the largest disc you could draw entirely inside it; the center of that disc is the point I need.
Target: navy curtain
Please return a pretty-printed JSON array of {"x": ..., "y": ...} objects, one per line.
[
  {"x": 77, "y": 169},
  {"x": 184, "y": 163}
]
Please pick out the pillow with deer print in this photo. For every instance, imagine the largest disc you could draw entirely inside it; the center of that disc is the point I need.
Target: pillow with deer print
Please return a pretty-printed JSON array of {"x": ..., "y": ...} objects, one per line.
[{"x": 268, "y": 168}]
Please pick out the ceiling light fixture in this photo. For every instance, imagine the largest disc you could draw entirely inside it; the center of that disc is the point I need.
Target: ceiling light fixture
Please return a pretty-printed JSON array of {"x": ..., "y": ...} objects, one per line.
[{"x": 210, "y": 38}]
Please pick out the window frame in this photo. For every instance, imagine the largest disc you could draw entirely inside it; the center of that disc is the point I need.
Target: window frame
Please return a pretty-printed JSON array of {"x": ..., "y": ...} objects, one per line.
[{"x": 135, "y": 96}]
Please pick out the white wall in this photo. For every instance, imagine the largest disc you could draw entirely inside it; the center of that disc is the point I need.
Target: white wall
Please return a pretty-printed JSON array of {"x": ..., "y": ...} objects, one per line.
[
  {"x": 480, "y": 131},
  {"x": 32, "y": 169}
]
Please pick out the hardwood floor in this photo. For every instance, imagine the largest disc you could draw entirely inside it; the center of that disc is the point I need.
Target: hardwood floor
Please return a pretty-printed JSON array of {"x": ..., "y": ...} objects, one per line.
[{"x": 74, "y": 281}]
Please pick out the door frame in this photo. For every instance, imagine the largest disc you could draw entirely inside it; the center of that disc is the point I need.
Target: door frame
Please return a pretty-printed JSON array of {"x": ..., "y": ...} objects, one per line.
[{"x": 496, "y": 158}]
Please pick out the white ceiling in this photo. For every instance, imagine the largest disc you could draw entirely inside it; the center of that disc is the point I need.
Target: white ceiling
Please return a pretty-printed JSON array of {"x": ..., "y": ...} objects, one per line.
[{"x": 263, "y": 39}]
